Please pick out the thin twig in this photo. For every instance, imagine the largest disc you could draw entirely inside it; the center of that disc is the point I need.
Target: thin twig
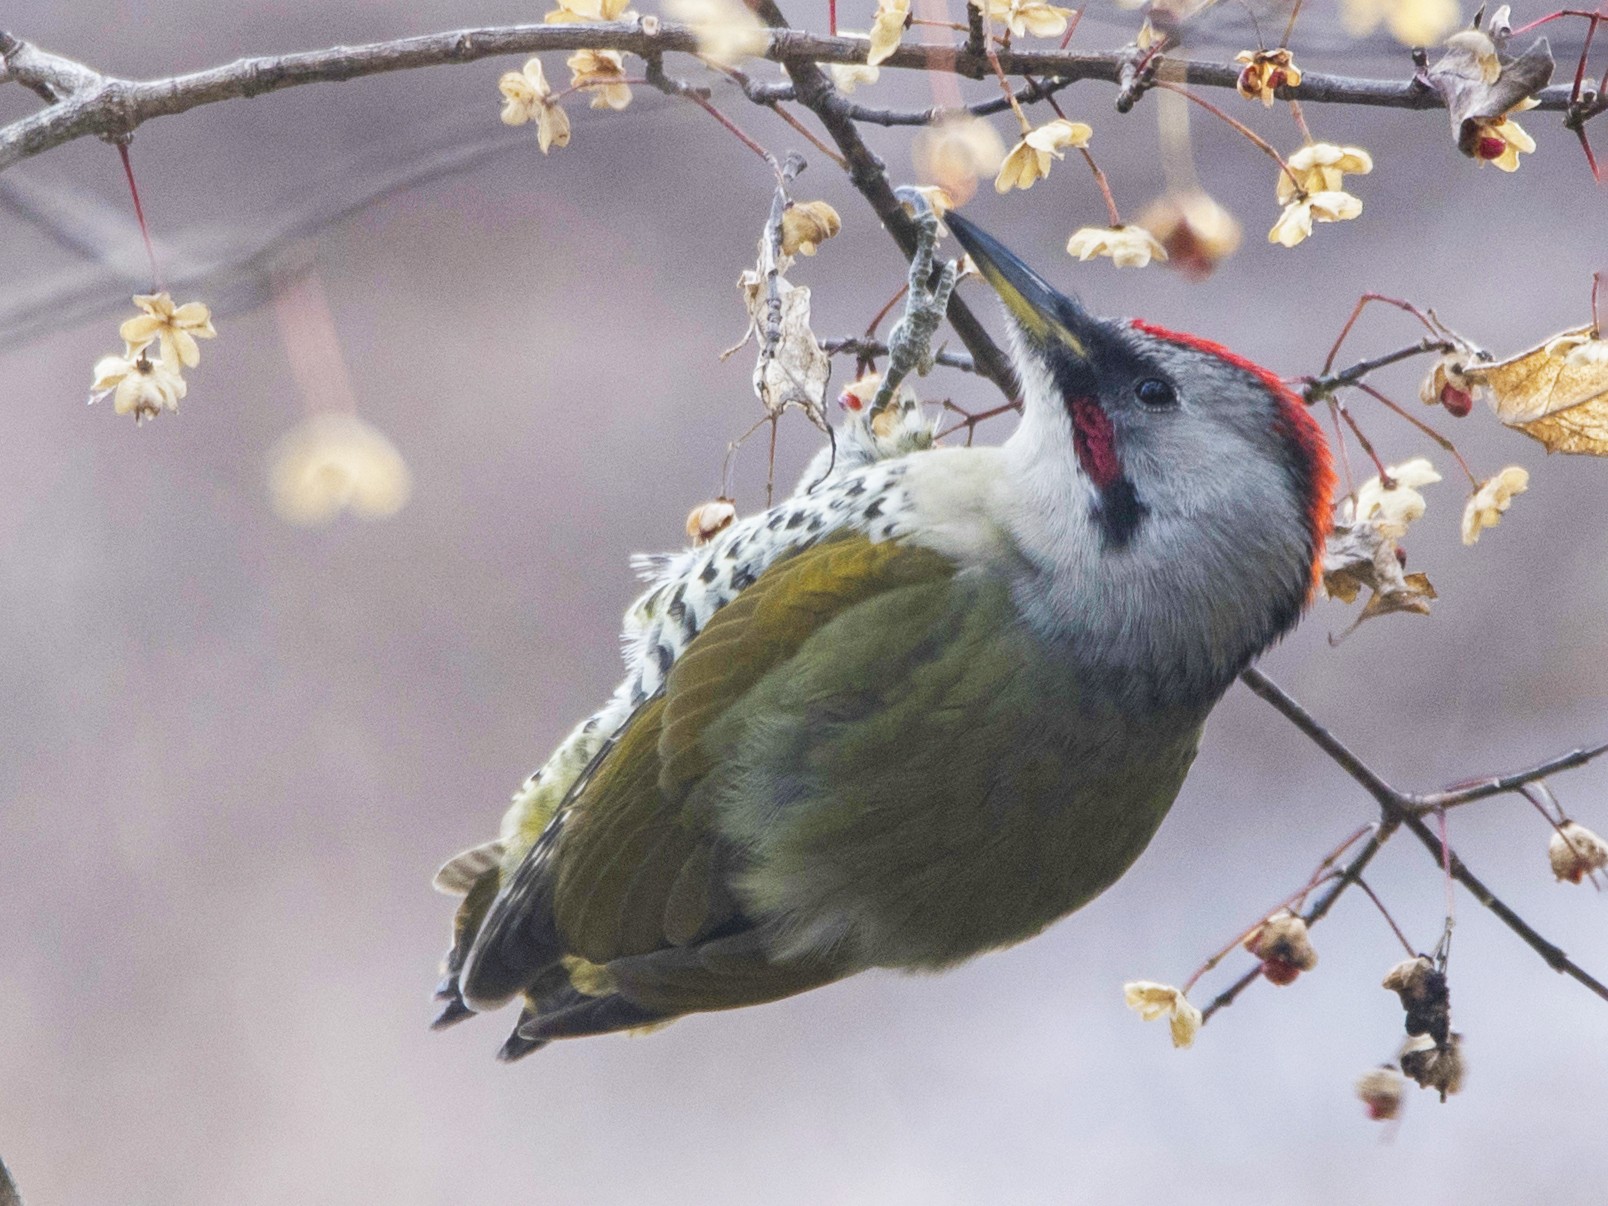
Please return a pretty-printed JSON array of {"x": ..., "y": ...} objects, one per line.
[{"x": 1480, "y": 789}]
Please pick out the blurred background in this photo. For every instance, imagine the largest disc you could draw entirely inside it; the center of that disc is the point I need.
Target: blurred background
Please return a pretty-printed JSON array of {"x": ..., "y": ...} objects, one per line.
[{"x": 235, "y": 750}]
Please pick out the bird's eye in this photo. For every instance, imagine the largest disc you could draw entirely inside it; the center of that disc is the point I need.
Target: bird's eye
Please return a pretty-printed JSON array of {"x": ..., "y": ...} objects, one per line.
[{"x": 1156, "y": 393}]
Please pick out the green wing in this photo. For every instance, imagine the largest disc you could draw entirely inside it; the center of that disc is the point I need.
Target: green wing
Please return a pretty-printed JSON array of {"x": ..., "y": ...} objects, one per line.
[{"x": 624, "y": 912}]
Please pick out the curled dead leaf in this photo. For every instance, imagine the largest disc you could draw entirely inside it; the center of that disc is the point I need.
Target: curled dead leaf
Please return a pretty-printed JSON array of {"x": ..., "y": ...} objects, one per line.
[
  {"x": 1359, "y": 555},
  {"x": 1552, "y": 393},
  {"x": 1481, "y": 85}
]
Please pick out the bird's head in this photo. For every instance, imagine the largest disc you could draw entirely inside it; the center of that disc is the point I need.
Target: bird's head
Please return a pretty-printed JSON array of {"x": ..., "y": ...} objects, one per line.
[{"x": 1187, "y": 466}]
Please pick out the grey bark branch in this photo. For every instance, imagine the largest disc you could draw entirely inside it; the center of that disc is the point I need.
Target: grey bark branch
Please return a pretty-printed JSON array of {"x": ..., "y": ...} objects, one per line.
[{"x": 84, "y": 102}]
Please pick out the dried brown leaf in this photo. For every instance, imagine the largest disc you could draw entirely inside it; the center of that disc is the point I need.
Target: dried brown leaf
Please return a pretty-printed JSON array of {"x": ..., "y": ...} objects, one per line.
[
  {"x": 1358, "y": 555},
  {"x": 1551, "y": 395}
]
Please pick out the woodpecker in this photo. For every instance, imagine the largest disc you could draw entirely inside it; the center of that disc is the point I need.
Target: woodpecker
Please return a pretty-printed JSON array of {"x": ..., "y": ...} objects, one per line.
[{"x": 918, "y": 711}]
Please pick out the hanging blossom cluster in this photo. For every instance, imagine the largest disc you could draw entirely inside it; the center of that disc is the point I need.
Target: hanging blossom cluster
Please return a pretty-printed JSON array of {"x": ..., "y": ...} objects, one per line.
[{"x": 144, "y": 385}]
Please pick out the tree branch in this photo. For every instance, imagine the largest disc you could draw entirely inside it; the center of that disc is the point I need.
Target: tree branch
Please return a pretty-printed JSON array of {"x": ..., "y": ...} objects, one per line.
[
  {"x": 84, "y": 102},
  {"x": 1399, "y": 807}
]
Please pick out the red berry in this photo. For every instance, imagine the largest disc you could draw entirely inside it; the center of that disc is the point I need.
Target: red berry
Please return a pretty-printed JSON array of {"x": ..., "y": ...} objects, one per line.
[{"x": 1458, "y": 402}]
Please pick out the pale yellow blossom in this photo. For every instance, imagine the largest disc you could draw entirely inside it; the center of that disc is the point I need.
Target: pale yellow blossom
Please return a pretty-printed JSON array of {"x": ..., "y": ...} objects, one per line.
[
  {"x": 586, "y": 12},
  {"x": 336, "y": 462},
  {"x": 1321, "y": 167},
  {"x": 1495, "y": 496},
  {"x": 1295, "y": 223},
  {"x": 1501, "y": 140},
  {"x": 727, "y": 30},
  {"x": 1153, "y": 1001},
  {"x": 1411, "y": 22},
  {"x": 176, "y": 328},
  {"x": 1391, "y": 510},
  {"x": 602, "y": 74},
  {"x": 140, "y": 386},
  {"x": 528, "y": 97},
  {"x": 955, "y": 152},
  {"x": 887, "y": 27},
  {"x": 1030, "y": 159},
  {"x": 1026, "y": 18},
  {"x": 1129, "y": 246},
  {"x": 849, "y": 76}
]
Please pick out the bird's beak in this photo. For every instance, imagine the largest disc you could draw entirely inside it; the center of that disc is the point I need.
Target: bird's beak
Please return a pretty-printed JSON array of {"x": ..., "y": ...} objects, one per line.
[{"x": 1042, "y": 311}]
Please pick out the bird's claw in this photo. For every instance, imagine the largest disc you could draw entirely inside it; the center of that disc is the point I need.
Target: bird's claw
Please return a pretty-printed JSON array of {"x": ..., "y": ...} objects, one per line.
[{"x": 926, "y": 303}]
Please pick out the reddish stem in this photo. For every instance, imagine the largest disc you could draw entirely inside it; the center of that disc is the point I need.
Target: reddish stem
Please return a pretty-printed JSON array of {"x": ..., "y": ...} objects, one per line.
[
  {"x": 1422, "y": 426},
  {"x": 1105, "y": 186},
  {"x": 831, "y": 16},
  {"x": 1072, "y": 26},
  {"x": 1385, "y": 913},
  {"x": 1256, "y": 139},
  {"x": 1562, "y": 12},
  {"x": 157, "y": 285},
  {"x": 1356, "y": 313}
]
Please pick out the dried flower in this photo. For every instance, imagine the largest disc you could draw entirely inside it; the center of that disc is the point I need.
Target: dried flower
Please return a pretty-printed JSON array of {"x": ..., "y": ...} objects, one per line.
[
  {"x": 709, "y": 519},
  {"x": 955, "y": 152},
  {"x": 1412, "y": 22},
  {"x": 1424, "y": 995},
  {"x": 1556, "y": 393},
  {"x": 1128, "y": 246},
  {"x": 586, "y": 12},
  {"x": 1282, "y": 944},
  {"x": 1153, "y": 1001},
  {"x": 1501, "y": 140},
  {"x": 1265, "y": 72},
  {"x": 1381, "y": 1091},
  {"x": 143, "y": 387},
  {"x": 1295, "y": 223},
  {"x": 727, "y": 30},
  {"x": 1495, "y": 496},
  {"x": 602, "y": 73},
  {"x": 1025, "y": 17},
  {"x": 176, "y": 328},
  {"x": 1321, "y": 167},
  {"x": 887, "y": 27},
  {"x": 1439, "y": 1066},
  {"x": 806, "y": 225},
  {"x": 1196, "y": 231},
  {"x": 1576, "y": 852},
  {"x": 1449, "y": 385},
  {"x": 1030, "y": 159},
  {"x": 528, "y": 97},
  {"x": 334, "y": 462}
]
